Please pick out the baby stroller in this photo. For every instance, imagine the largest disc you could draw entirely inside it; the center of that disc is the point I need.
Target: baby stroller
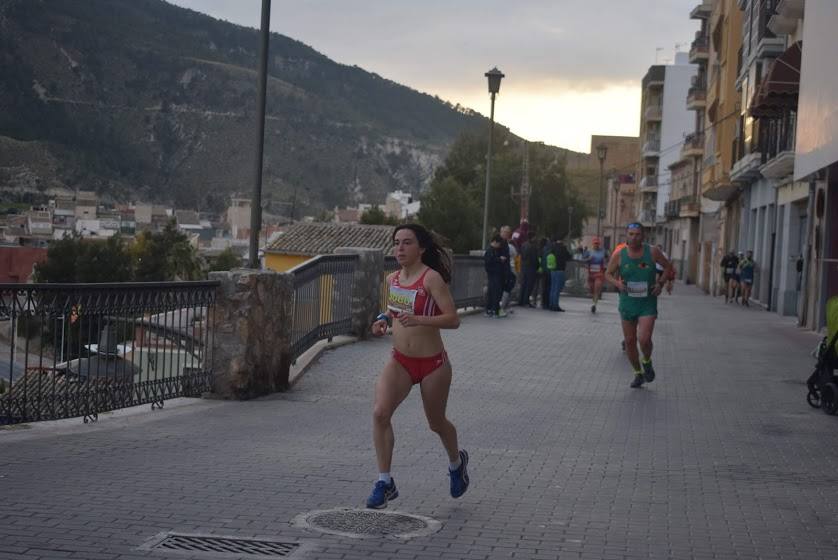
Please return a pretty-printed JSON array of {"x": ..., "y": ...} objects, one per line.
[{"x": 823, "y": 383}]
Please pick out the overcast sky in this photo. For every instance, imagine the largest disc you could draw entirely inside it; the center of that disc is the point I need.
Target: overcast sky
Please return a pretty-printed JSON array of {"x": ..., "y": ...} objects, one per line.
[{"x": 573, "y": 67}]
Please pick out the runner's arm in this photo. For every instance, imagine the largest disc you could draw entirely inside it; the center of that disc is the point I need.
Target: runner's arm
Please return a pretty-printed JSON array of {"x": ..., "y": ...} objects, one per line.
[
  {"x": 438, "y": 290},
  {"x": 379, "y": 326},
  {"x": 668, "y": 269},
  {"x": 611, "y": 271}
]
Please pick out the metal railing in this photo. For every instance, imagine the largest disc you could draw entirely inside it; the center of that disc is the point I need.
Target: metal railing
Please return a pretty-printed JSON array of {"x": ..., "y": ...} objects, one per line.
[
  {"x": 647, "y": 216},
  {"x": 322, "y": 304},
  {"x": 468, "y": 280},
  {"x": 777, "y": 135},
  {"x": 699, "y": 46},
  {"x": 69, "y": 350}
]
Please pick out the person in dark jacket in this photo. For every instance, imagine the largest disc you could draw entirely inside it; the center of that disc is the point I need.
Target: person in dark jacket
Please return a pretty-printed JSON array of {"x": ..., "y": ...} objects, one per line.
[
  {"x": 529, "y": 269},
  {"x": 557, "y": 266},
  {"x": 496, "y": 265}
]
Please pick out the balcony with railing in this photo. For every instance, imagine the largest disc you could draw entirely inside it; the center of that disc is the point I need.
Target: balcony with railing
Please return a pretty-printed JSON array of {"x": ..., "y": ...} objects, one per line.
[
  {"x": 791, "y": 8},
  {"x": 670, "y": 209},
  {"x": 653, "y": 112},
  {"x": 688, "y": 207},
  {"x": 693, "y": 145},
  {"x": 648, "y": 217},
  {"x": 649, "y": 184},
  {"x": 652, "y": 147},
  {"x": 703, "y": 11},
  {"x": 768, "y": 43},
  {"x": 697, "y": 94},
  {"x": 777, "y": 144},
  {"x": 700, "y": 48},
  {"x": 747, "y": 161}
]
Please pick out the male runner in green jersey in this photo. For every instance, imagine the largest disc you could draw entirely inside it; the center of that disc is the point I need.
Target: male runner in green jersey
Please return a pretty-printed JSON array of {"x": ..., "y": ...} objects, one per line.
[{"x": 632, "y": 271}]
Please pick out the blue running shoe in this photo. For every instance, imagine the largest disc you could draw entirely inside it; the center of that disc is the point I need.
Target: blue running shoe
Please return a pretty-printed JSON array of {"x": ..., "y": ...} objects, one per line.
[
  {"x": 648, "y": 372},
  {"x": 459, "y": 477},
  {"x": 382, "y": 493}
]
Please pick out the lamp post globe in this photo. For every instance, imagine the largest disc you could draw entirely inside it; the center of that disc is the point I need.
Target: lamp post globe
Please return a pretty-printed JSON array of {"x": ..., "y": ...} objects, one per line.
[{"x": 494, "y": 76}]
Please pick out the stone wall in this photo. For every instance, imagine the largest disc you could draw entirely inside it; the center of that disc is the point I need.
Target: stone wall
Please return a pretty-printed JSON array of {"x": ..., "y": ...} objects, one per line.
[
  {"x": 252, "y": 332},
  {"x": 366, "y": 289}
]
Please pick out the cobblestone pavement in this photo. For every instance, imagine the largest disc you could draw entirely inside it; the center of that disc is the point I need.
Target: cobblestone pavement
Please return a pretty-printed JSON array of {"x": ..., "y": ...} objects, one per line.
[{"x": 719, "y": 458}]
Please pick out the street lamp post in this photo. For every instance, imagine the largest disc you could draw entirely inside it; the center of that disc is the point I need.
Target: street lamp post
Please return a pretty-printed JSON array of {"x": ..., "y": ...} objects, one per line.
[
  {"x": 616, "y": 210},
  {"x": 256, "y": 203},
  {"x": 601, "y": 153},
  {"x": 494, "y": 76}
]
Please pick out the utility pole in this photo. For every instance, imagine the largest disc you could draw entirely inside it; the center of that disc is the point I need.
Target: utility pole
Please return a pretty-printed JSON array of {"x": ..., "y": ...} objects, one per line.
[
  {"x": 256, "y": 203},
  {"x": 523, "y": 195}
]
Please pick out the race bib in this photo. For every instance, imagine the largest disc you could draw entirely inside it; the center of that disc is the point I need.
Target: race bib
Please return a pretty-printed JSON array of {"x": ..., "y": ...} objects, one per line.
[
  {"x": 401, "y": 300},
  {"x": 596, "y": 268},
  {"x": 729, "y": 270},
  {"x": 637, "y": 289}
]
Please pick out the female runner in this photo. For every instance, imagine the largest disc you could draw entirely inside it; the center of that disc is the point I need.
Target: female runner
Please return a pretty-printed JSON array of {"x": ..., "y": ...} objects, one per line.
[{"x": 419, "y": 304}]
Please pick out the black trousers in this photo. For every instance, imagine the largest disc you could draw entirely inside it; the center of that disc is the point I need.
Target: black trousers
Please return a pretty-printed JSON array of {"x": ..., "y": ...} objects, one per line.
[
  {"x": 545, "y": 291},
  {"x": 494, "y": 293},
  {"x": 527, "y": 285}
]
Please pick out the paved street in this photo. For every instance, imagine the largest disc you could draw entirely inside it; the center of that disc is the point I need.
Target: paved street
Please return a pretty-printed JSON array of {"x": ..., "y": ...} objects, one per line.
[{"x": 719, "y": 458}]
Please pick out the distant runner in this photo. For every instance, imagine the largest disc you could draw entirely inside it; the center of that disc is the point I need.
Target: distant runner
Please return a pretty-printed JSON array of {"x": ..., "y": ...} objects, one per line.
[{"x": 595, "y": 258}]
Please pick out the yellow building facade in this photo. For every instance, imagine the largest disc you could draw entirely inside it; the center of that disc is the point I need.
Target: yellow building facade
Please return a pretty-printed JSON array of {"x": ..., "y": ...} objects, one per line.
[
  {"x": 281, "y": 262},
  {"x": 720, "y": 204}
]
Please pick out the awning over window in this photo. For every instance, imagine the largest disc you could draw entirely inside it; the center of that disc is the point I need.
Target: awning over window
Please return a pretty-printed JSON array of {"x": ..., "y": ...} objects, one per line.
[{"x": 778, "y": 91}]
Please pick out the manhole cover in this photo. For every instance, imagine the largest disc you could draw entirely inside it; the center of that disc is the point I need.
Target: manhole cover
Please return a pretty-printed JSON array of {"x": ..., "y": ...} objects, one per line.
[
  {"x": 367, "y": 523},
  {"x": 214, "y": 544}
]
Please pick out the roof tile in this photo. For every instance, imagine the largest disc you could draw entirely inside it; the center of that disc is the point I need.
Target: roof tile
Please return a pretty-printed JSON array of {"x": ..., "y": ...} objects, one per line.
[{"x": 323, "y": 239}]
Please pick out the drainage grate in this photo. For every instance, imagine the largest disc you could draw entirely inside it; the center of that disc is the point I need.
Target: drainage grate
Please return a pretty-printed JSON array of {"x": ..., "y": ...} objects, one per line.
[
  {"x": 365, "y": 523},
  {"x": 197, "y": 544}
]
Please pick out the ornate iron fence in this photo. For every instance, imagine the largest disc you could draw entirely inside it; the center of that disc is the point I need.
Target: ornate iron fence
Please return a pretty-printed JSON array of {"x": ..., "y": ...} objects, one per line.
[
  {"x": 69, "y": 350},
  {"x": 322, "y": 300}
]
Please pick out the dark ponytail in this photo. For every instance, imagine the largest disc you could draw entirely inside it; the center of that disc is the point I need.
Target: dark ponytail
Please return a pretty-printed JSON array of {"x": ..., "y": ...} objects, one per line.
[{"x": 435, "y": 255}]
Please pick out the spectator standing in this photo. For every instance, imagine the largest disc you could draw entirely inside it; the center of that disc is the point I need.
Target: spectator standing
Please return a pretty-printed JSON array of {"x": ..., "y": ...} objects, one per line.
[
  {"x": 510, "y": 277},
  {"x": 557, "y": 266},
  {"x": 529, "y": 269},
  {"x": 495, "y": 263}
]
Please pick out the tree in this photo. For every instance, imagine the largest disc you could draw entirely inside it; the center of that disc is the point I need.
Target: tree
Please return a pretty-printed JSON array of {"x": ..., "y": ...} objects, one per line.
[
  {"x": 449, "y": 210},
  {"x": 453, "y": 205},
  {"x": 226, "y": 260},
  {"x": 167, "y": 255},
  {"x": 105, "y": 261},
  {"x": 74, "y": 259},
  {"x": 60, "y": 264},
  {"x": 376, "y": 216}
]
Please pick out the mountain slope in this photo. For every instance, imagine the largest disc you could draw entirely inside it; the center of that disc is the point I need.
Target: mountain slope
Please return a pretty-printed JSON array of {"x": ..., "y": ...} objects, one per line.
[{"x": 143, "y": 99}]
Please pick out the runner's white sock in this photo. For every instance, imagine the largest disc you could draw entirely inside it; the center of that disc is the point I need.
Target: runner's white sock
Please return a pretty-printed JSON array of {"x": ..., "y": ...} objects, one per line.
[
  {"x": 384, "y": 476},
  {"x": 455, "y": 466}
]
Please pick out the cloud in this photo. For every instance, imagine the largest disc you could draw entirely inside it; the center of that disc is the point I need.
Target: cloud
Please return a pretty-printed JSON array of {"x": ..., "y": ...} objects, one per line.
[
  {"x": 548, "y": 49},
  {"x": 435, "y": 40}
]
